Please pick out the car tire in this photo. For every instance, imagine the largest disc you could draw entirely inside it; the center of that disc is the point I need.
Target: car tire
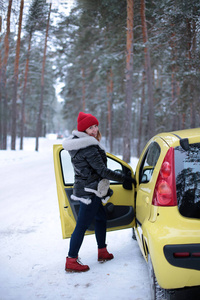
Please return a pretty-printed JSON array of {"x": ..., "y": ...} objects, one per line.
[
  {"x": 133, "y": 235},
  {"x": 157, "y": 293}
]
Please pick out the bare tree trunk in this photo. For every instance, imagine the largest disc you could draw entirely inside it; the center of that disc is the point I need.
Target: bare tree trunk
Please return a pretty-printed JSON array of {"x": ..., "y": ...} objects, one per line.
[
  {"x": 129, "y": 84},
  {"x": 141, "y": 115},
  {"x": 83, "y": 89},
  {"x": 110, "y": 100},
  {"x": 3, "y": 80},
  {"x": 151, "y": 121},
  {"x": 183, "y": 121},
  {"x": 1, "y": 108},
  {"x": 193, "y": 82},
  {"x": 39, "y": 121},
  {"x": 16, "y": 71},
  {"x": 196, "y": 101},
  {"x": 24, "y": 95},
  {"x": 174, "y": 123},
  {"x": 174, "y": 120}
]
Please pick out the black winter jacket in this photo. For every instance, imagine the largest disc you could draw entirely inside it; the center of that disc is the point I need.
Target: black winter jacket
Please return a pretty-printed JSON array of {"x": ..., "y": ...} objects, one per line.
[{"x": 90, "y": 166}]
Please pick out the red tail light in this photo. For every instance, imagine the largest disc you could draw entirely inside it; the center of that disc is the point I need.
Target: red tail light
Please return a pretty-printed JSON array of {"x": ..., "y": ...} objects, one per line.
[
  {"x": 197, "y": 254},
  {"x": 181, "y": 254},
  {"x": 185, "y": 254},
  {"x": 165, "y": 188}
]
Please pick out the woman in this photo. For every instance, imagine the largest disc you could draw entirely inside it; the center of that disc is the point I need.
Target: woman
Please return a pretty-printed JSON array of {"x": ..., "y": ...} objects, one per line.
[{"x": 91, "y": 188}]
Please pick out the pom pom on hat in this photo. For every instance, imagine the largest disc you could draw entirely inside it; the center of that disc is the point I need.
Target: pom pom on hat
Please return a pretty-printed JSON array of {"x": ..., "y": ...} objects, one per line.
[{"x": 84, "y": 121}]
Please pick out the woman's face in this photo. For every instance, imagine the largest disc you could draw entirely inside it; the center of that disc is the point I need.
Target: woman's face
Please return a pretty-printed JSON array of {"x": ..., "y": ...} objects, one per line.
[{"x": 92, "y": 130}]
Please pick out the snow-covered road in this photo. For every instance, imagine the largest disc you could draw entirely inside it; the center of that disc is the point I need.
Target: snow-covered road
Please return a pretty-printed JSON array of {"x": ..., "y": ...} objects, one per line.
[{"x": 32, "y": 252}]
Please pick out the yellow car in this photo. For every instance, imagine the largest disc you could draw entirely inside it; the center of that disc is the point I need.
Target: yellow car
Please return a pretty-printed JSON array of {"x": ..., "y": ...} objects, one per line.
[{"x": 163, "y": 209}]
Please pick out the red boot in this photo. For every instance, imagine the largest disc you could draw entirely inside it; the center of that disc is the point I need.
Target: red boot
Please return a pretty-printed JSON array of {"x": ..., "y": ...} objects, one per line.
[
  {"x": 104, "y": 255},
  {"x": 75, "y": 265}
]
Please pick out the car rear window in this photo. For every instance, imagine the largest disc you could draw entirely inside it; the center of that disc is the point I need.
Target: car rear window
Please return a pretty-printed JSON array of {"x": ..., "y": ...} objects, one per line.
[{"x": 187, "y": 171}]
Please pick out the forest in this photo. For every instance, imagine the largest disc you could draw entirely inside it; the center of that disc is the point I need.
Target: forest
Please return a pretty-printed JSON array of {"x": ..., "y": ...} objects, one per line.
[{"x": 134, "y": 64}]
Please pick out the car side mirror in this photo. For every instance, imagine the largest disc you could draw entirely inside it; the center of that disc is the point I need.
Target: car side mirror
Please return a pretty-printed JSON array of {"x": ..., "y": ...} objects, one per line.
[
  {"x": 146, "y": 174},
  {"x": 144, "y": 178}
]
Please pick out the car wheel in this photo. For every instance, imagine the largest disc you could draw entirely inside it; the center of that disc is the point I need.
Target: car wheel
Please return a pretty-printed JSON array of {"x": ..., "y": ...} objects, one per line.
[
  {"x": 157, "y": 293},
  {"x": 133, "y": 235}
]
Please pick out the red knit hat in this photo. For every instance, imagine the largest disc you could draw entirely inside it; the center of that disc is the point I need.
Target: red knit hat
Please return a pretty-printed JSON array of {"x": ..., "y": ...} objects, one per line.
[{"x": 84, "y": 121}]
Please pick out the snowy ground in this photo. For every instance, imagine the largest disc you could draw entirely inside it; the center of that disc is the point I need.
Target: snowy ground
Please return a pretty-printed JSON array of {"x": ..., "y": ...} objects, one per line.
[{"x": 32, "y": 252}]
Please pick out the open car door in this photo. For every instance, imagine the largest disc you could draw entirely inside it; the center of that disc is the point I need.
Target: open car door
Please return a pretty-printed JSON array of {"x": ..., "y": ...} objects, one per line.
[{"x": 119, "y": 209}]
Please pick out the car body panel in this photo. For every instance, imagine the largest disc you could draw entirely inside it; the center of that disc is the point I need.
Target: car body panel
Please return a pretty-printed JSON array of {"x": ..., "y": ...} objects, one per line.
[
  {"x": 160, "y": 226},
  {"x": 173, "y": 138},
  {"x": 162, "y": 232},
  {"x": 145, "y": 191},
  {"x": 156, "y": 228}
]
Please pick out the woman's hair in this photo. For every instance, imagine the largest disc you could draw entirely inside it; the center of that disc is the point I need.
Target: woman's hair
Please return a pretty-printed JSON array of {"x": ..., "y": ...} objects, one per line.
[{"x": 99, "y": 136}]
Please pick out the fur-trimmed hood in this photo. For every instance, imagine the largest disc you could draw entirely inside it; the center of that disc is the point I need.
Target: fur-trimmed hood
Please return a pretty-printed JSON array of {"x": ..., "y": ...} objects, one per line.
[
  {"x": 91, "y": 183},
  {"x": 82, "y": 141},
  {"x": 91, "y": 175}
]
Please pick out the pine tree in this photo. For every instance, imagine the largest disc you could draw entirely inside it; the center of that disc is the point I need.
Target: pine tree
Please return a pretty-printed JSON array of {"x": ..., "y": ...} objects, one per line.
[
  {"x": 16, "y": 71},
  {"x": 129, "y": 84},
  {"x": 39, "y": 120},
  {"x": 4, "y": 79},
  {"x": 35, "y": 21}
]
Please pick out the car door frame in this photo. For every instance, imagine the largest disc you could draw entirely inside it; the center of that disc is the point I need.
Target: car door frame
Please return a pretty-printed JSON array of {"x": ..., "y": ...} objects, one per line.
[
  {"x": 121, "y": 199},
  {"x": 145, "y": 211}
]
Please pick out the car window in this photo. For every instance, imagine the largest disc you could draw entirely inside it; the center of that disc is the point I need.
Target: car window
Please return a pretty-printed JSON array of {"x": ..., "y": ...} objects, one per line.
[
  {"x": 66, "y": 167},
  {"x": 114, "y": 165},
  {"x": 187, "y": 171},
  {"x": 149, "y": 161},
  {"x": 68, "y": 170}
]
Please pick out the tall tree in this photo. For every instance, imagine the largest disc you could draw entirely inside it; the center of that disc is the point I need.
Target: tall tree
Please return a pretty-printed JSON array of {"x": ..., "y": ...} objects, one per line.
[
  {"x": 35, "y": 21},
  {"x": 24, "y": 94},
  {"x": 141, "y": 115},
  {"x": 1, "y": 109},
  {"x": 110, "y": 108},
  {"x": 3, "y": 79},
  {"x": 83, "y": 89},
  {"x": 39, "y": 119},
  {"x": 174, "y": 117},
  {"x": 129, "y": 83},
  {"x": 149, "y": 75},
  {"x": 16, "y": 71}
]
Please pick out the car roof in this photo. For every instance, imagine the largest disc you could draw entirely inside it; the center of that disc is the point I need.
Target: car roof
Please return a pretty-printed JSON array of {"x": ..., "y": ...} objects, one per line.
[{"x": 173, "y": 138}]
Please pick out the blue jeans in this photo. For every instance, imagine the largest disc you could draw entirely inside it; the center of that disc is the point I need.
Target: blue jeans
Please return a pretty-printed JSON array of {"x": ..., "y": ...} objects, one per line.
[{"x": 88, "y": 213}]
